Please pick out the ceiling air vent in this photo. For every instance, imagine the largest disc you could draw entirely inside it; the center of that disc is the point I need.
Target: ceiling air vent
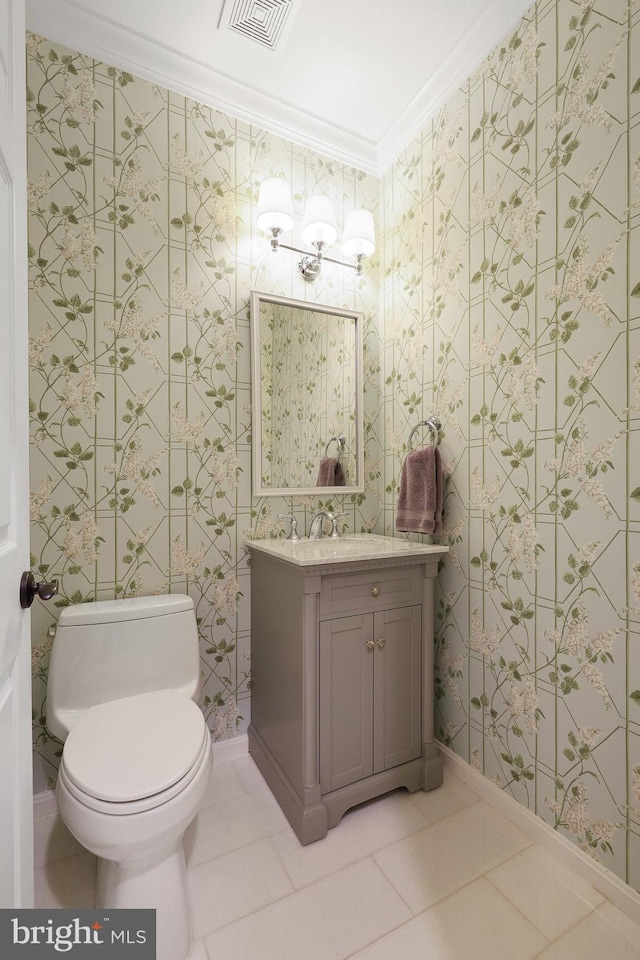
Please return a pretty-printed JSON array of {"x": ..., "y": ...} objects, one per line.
[{"x": 260, "y": 20}]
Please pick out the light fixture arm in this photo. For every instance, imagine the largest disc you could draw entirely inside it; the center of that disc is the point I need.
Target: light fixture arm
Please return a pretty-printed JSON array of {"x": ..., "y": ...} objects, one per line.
[{"x": 310, "y": 264}]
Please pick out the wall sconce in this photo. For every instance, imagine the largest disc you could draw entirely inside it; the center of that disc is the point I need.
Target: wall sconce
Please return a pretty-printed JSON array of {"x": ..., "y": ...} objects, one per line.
[{"x": 319, "y": 229}]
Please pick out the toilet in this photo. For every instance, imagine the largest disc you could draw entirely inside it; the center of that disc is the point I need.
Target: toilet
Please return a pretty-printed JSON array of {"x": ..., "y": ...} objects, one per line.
[{"x": 137, "y": 752}]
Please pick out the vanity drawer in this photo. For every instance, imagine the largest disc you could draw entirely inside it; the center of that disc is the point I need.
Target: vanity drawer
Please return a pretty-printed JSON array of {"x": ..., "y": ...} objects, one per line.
[{"x": 371, "y": 590}]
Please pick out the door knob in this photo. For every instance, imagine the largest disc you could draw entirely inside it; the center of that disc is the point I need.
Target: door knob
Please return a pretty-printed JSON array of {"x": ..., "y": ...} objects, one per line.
[
  {"x": 381, "y": 642},
  {"x": 375, "y": 591},
  {"x": 29, "y": 588},
  {"x": 370, "y": 644}
]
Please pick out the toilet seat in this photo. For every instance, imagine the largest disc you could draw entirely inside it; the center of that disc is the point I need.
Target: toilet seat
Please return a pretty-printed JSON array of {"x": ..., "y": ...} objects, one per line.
[
  {"x": 130, "y": 755},
  {"x": 136, "y": 806}
]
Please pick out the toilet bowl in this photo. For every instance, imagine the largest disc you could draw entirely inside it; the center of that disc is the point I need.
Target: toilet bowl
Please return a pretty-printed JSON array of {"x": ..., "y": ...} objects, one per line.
[{"x": 134, "y": 768}]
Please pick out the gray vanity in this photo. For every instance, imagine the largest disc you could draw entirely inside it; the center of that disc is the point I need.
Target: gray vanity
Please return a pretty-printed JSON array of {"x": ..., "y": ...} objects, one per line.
[{"x": 342, "y": 672}]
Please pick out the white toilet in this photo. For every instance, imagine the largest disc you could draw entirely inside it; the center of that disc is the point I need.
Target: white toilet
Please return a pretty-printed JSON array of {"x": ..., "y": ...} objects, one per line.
[{"x": 137, "y": 754}]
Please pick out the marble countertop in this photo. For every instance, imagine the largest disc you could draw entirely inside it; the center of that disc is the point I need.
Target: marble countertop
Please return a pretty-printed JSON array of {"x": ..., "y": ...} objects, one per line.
[{"x": 346, "y": 549}]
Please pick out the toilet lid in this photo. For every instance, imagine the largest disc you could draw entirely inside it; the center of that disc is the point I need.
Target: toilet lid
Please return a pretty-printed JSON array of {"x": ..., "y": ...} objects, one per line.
[{"x": 135, "y": 747}]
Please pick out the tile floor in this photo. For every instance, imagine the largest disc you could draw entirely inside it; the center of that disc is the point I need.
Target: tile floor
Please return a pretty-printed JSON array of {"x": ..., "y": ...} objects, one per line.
[{"x": 437, "y": 875}]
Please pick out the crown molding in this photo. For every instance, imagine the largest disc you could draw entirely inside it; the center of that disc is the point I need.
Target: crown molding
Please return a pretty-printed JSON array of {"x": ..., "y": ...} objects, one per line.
[
  {"x": 478, "y": 40},
  {"x": 98, "y": 37},
  {"x": 64, "y": 22}
]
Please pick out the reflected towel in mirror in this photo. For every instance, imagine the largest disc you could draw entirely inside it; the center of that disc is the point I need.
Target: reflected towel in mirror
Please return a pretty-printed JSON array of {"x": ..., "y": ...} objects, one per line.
[{"x": 330, "y": 473}]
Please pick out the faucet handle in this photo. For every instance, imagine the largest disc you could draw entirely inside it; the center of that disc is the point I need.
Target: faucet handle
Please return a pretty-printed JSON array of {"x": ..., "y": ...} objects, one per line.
[
  {"x": 294, "y": 525},
  {"x": 334, "y": 517}
]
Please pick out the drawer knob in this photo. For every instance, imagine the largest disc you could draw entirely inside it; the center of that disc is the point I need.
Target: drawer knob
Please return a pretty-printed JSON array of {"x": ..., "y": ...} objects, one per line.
[
  {"x": 381, "y": 642},
  {"x": 375, "y": 591},
  {"x": 370, "y": 644}
]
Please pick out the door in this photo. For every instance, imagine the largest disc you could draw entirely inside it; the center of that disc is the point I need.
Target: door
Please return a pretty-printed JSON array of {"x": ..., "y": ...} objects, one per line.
[{"x": 16, "y": 802}]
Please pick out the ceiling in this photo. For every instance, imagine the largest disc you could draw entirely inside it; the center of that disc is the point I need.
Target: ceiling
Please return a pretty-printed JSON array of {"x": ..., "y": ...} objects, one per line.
[{"x": 354, "y": 79}]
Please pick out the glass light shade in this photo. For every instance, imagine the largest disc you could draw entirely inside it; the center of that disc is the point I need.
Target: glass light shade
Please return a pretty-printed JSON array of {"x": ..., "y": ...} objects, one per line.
[
  {"x": 275, "y": 210},
  {"x": 319, "y": 225},
  {"x": 358, "y": 237}
]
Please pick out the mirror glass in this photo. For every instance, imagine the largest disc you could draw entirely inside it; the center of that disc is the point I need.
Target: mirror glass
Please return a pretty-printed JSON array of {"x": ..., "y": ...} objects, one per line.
[{"x": 306, "y": 397}]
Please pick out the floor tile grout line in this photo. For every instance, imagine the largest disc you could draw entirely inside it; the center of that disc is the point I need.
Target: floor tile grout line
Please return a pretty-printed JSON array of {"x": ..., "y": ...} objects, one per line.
[
  {"x": 465, "y": 884},
  {"x": 370, "y": 855},
  {"x": 515, "y": 906},
  {"x": 280, "y": 829},
  {"x": 439, "y": 903},
  {"x": 295, "y": 891},
  {"x": 286, "y": 829},
  {"x": 244, "y": 916}
]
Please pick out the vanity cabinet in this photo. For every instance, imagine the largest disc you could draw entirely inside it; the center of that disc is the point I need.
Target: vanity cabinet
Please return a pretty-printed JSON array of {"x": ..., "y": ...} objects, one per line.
[{"x": 342, "y": 675}]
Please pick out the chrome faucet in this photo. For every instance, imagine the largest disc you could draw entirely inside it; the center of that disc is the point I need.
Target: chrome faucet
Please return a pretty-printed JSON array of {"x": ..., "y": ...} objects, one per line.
[{"x": 315, "y": 530}]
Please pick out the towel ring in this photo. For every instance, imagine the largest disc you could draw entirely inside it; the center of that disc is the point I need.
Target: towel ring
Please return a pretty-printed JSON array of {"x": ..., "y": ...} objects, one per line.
[
  {"x": 433, "y": 423},
  {"x": 341, "y": 443}
]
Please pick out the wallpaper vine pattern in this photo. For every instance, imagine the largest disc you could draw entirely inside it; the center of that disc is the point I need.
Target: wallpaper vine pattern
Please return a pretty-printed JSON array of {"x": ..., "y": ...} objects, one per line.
[
  {"x": 511, "y": 286},
  {"x": 142, "y": 253}
]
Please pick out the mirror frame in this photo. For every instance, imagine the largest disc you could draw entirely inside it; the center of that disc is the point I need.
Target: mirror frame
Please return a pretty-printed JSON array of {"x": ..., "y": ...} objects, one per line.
[{"x": 256, "y": 397}]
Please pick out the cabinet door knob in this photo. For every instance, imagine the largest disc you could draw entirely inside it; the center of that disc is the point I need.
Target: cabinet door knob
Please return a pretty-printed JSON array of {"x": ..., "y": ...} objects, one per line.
[
  {"x": 375, "y": 591},
  {"x": 370, "y": 644},
  {"x": 381, "y": 642}
]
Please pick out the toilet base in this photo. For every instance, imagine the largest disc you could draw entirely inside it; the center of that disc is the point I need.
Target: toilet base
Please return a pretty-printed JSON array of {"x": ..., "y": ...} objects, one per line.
[{"x": 157, "y": 883}]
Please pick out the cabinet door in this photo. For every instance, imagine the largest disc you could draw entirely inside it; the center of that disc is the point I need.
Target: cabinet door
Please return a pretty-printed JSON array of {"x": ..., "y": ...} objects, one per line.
[
  {"x": 397, "y": 694},
  {"x": 370, "y": 694},
  {"x": 346, "y": 701}
]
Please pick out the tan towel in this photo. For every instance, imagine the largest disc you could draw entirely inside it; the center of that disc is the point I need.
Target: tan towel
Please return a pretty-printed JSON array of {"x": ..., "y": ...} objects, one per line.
[
  {"x": 330, "y": 473},
  {"x": 421, "y": 492}
]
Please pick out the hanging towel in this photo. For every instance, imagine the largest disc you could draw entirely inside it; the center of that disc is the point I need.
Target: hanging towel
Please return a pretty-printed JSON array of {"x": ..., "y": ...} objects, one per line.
[
  {"x": 420, "y": 498},
  {"x": 330, "y": 473}
]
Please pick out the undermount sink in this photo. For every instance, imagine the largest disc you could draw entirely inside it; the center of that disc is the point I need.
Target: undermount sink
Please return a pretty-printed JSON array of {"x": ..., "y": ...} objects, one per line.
[
  {"x": 351, "y": 546},
  {"x": 335, "y": 546}
]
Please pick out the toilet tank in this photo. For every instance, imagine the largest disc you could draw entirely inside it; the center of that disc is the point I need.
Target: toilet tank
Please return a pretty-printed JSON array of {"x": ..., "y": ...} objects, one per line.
[{"x": 118, "y": 648}]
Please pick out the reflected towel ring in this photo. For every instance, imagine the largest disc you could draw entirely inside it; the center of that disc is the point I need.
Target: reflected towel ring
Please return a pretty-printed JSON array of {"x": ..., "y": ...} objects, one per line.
[
  {"x": 341, "y": 441},
  {"x": 433, "y": 423}
]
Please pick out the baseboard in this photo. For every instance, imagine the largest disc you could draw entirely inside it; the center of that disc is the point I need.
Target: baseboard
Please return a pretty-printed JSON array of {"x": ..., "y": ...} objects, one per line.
[
  {"x": 51, "y": 839},
  {"x": 44, "y": 804},
  {"x": 606, "y": 882},
  {"x": 226, "y": 750}
]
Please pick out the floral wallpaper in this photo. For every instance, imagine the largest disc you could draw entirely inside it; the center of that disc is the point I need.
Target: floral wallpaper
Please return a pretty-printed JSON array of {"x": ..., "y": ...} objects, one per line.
[
  {"x": 510, "y": 306},
  {"x": 507, "y": 301},
  {"x": 142, "y": 255},
  {"x": 308, "y": 391}
]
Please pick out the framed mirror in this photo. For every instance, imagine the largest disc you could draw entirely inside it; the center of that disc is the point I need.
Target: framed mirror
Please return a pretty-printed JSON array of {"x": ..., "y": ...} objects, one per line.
[{"x": 306, "y": 397}]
